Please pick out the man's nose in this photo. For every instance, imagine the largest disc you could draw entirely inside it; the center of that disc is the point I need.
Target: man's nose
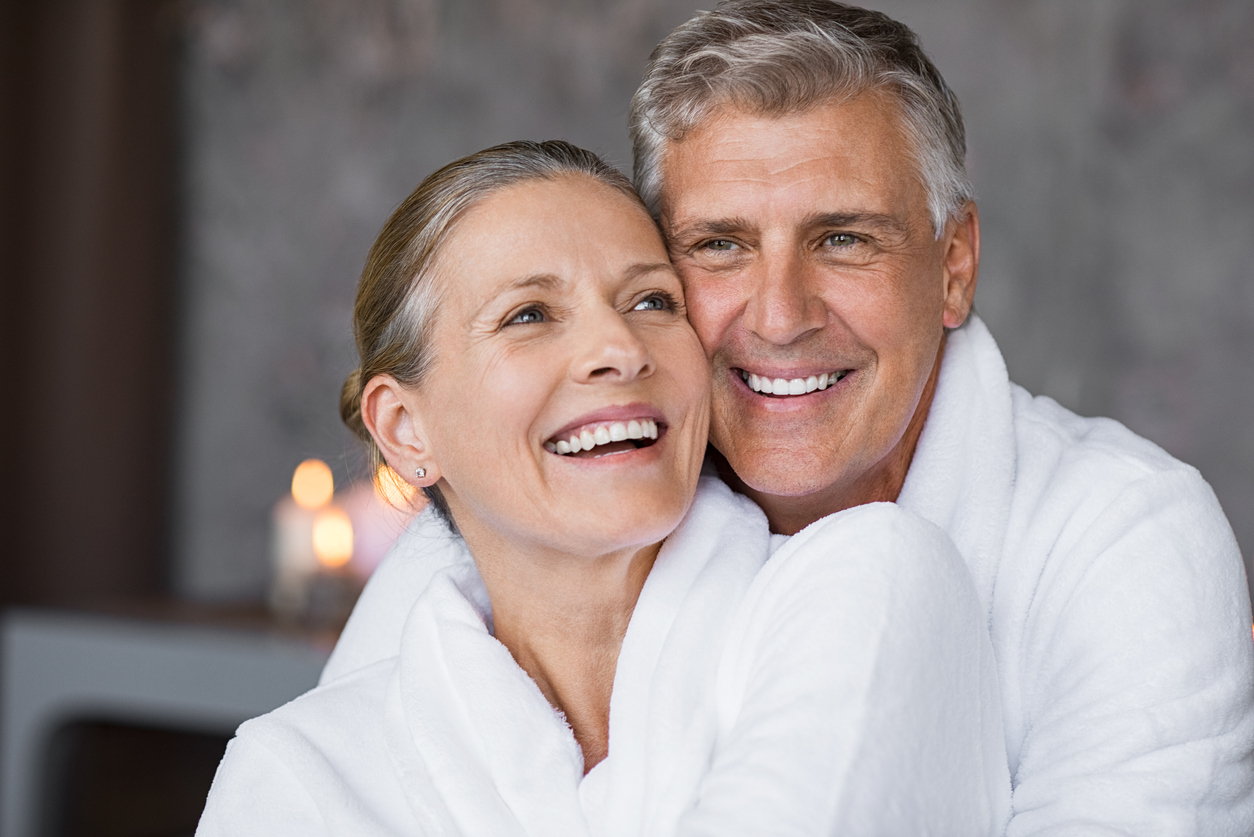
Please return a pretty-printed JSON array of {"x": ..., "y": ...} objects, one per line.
[
  {"x": 611, "y": 351},
  {"x": 783, "y": 306}
]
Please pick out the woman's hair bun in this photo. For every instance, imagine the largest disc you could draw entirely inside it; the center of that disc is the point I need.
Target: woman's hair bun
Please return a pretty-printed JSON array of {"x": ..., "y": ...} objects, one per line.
[{"x": 350, "y": 405}]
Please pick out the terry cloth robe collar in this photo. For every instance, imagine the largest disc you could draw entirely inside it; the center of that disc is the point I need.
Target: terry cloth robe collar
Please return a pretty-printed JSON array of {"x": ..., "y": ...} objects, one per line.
[
  {"x": 479, "y": 748},
  {"x": 963, "y": 472}
]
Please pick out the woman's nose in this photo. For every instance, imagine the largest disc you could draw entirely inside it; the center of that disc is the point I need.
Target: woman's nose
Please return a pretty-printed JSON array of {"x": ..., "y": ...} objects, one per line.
[{"x": 611, "y": 350}]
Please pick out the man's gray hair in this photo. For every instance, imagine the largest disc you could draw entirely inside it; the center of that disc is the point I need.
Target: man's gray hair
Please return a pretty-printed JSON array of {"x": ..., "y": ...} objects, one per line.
[{"x": 780, "y": 57}]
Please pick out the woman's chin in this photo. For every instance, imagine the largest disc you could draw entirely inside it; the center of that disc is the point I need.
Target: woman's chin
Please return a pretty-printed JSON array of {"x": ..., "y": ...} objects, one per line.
[
  {"x": 615, "y": 496},
  {"x": 619, "y": 514},
  {"x": 612, "y": 482}
]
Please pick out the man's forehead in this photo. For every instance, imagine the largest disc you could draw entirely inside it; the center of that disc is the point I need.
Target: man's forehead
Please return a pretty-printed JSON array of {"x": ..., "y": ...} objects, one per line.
[
  {"x": 847, "y": 156},
  {"x": 732, "y": 126}
]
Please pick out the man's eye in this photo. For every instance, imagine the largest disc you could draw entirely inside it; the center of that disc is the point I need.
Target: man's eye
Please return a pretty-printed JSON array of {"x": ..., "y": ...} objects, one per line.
[
  {"x": 655, "y": 302},
  {"x": 528, "y": 315},
  {"x": 720, "y": 244},
  {"x": 841, "y": 240}
]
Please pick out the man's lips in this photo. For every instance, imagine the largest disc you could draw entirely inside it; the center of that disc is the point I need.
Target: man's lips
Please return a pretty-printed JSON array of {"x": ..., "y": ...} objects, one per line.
[{"x": 792, "y": 386}]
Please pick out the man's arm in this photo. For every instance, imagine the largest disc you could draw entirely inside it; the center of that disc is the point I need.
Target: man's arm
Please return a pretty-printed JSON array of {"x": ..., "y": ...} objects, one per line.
[{"x": 858, "y": 693}]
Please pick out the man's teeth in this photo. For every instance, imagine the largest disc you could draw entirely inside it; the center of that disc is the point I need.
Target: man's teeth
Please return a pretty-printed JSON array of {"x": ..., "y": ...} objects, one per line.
[
  {"x": 602, "y": 434},
  {"x": 790, "y": 386}
]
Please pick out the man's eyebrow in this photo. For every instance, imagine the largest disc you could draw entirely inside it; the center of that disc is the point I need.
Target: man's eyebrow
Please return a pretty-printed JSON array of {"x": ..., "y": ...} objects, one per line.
[
  {"x": 729, "y": 226},
  {"x": 874, "y": 220},
  {"x": 714, "y": 226}
]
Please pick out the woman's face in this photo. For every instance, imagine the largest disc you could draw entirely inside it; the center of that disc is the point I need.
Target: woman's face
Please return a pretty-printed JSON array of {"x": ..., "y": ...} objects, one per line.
[{"x": 561, "y": 328}]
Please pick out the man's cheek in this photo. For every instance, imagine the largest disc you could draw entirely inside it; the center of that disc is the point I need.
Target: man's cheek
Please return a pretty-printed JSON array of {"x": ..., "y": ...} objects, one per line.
[{"x": 710, "y": 316}]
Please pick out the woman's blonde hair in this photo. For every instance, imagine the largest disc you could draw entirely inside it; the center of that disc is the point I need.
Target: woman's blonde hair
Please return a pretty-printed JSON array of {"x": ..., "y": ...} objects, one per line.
[{"x": 396, "y": 301}]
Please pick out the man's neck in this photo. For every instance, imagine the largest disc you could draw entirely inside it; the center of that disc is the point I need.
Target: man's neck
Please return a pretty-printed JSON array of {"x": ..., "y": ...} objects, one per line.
[{"x": 883, "y": 483}]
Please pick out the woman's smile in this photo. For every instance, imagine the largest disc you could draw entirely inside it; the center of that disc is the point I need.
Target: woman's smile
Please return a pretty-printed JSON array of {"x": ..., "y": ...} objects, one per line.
[{"x": 608, "y": 432}]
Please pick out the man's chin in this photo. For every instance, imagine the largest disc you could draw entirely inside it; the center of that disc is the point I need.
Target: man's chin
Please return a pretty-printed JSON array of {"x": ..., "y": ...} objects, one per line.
[{"x": 761, "y": 475}]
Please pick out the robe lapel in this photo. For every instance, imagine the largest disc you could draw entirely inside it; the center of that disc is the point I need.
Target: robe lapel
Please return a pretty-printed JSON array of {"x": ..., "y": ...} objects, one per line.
[{"x": 963, "y": 472}]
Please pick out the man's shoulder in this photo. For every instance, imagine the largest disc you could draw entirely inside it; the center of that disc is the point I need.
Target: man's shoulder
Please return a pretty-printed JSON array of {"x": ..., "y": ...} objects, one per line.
[
  {"x": 1057, "y": 448},
  {"x": 1083, "y": 482}
]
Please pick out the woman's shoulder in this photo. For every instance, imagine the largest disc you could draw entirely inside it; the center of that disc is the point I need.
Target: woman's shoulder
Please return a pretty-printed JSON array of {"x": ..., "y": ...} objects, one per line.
[
  {"x": 323, "y": 714},
  {"x": 323, "y": 758},
  {"x": 374, "y": 629}
]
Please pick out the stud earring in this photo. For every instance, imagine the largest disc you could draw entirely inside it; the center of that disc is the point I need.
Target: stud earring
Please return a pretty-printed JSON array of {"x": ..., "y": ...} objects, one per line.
[{"x": 420, "y": 472}]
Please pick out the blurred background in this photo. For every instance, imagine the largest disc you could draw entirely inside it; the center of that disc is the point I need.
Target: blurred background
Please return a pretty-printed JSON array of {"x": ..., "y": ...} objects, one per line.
[{"x": 188, "y": 189}]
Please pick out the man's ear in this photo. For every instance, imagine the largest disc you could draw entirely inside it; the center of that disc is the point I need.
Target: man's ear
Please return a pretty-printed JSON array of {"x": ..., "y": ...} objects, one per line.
[
  {"x": 962, "y": 264},
  {"x": 390, "y": 413}
]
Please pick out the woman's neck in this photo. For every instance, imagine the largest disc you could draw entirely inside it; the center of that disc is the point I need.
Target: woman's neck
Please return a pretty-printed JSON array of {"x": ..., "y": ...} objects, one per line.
[{"x": 563, "y": 619}]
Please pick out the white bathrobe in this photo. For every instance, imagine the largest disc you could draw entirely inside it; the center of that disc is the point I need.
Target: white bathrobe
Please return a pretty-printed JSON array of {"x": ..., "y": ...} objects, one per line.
[
  {"x": 846, "y": 686},
  {"x": 1115, "y": 595}
]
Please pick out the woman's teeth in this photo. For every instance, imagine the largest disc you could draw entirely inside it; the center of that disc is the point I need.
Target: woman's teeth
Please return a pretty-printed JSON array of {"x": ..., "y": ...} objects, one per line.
[
  {"x": 790, "y": 386},
  {"x": 603, "y": 434}
]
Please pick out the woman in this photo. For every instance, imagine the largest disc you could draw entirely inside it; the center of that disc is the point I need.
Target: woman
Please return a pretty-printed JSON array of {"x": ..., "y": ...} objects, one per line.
[{"x": 606, "y": 648}]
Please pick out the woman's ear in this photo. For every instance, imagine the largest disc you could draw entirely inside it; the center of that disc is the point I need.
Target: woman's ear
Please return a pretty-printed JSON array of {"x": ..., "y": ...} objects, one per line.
[{"x": 390, "y": 413}]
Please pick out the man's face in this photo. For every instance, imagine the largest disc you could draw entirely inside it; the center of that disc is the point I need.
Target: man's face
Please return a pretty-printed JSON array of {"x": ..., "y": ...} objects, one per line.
[{"x": 810, "y": 262}]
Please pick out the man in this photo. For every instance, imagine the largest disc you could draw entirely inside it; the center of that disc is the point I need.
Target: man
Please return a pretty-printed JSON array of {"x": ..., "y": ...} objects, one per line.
[{"x": 805, "y": 161}]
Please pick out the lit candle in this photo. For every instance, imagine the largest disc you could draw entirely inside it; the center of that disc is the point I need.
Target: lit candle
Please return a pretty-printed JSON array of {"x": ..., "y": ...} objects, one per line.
[
  {"x": 295, "y": 521},
  {"x": 333, "y": 538},
  {"x": 326, "y": 546}
]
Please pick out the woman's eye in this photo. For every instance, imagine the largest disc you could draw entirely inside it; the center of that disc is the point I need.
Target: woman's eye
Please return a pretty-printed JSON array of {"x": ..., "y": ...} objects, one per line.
[
  {"x": 526, "y": 316},
  {"x": 720, "y": 245},
  {"x": 654, "y": 302},
  {"x": 841, "y": 240}
]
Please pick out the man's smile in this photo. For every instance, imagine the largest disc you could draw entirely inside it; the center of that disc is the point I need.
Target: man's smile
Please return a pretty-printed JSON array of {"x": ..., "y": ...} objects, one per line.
[{"x": 788, "y": 387}]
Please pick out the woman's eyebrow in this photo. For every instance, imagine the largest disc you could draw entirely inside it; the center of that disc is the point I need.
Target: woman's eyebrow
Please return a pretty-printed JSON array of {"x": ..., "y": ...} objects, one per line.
[
  {"x": 535, "y": 280},
  {"x": 544, "y": 281},
  {"x": 641, "y": 268}
]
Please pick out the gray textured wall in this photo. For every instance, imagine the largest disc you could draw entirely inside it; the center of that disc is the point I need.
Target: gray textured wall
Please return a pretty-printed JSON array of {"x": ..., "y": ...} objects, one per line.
[{"x": 1111, "y": 143}]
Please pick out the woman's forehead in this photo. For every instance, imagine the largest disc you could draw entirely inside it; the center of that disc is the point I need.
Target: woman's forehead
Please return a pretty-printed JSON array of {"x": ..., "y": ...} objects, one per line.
[
  {"x": 565, "y": 198},
  {"x": 561, "y": 227}
]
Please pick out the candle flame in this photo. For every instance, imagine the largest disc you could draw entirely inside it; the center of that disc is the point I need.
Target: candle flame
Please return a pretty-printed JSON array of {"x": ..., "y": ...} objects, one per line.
[
  {"x": 312, "y": 484},
  {"x": 333, "y": 537},
  {"x": 394, "y": 490}
]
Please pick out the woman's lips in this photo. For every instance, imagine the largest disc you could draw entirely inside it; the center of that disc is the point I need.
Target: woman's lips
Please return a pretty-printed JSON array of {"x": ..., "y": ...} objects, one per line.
[
  {"x": 613, "y": 429},
  {"x": 604, "y": 438}
]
